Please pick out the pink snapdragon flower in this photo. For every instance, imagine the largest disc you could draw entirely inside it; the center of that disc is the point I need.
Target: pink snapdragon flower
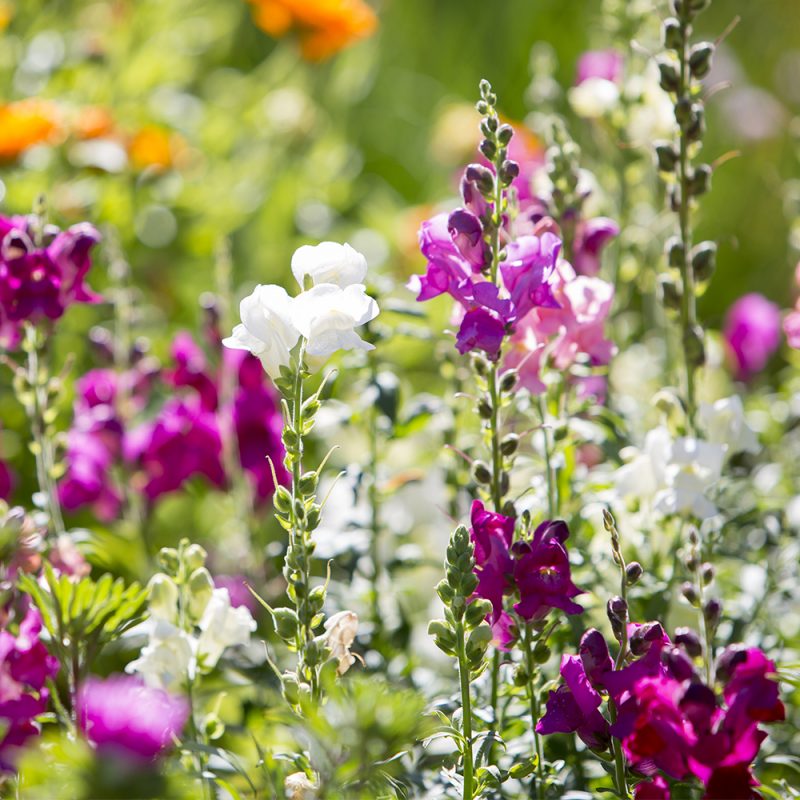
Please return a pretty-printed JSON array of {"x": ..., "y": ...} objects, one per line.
[
  {"x": 121, "y": 716},
  {"x": 752, "y": 333},
  {"x": 604, "y": 64}
]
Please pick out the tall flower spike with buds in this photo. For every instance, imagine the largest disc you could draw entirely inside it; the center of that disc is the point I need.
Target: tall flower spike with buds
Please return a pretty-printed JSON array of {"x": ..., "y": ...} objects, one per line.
[
  {"x": 681, "y": 70},
  {"x": 290, "y": 335}
]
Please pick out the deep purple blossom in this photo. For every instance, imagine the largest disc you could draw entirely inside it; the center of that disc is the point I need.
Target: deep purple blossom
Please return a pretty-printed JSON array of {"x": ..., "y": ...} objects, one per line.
[
  {"x": 752, "y": 333},
  {"x": 542, "y": 573},
  {"x": 657, "y": 789},
  {"x": 25, "y": 666},
  {"x": 191, "y": 370},
  {"x": 466, "y": 232},
  {"x": 528, "y": 270},
  {"x": 42, "y": 272},
  {"x": 574, "y": 707},
  {"x": 121, "y": 716},
  {"x": 750, "y": 692}
]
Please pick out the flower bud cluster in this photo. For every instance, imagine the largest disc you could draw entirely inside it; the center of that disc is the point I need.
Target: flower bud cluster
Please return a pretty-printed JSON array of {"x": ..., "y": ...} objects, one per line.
[{"x": 463, "y": 633}]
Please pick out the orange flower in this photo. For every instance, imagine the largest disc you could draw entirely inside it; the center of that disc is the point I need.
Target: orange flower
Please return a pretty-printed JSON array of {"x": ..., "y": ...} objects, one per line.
[
  {"x": 93, "y": 122},
  {"x": 6, "y": 13},
  {"x": 324, "y": 26},
  {"x": 152, "y": 147},
  {"x": 25, "y": 123}
]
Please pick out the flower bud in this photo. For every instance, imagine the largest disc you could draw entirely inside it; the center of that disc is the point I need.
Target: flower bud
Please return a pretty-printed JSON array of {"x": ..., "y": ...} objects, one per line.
[
  {"x": 671, "y": 34},
  {"x": 508, "y": 380},
  {"x": 690, "y": 593},
  {"x": 670, "y": 292},
  {"x": 194, "y": 556},
  {"x": 477, "y": 643},
  {"x": 694, "y": 345},
  {"x": 291, "y": 688},
  {"x": 201, "y": 588},
  {"x": 485, "y": 408},
  {"x": 282, "y": 499},
  {"x": 504, "y": 134},
  {"x": 316, "y": 599},
  {"x": 509, "y": 172},
  {"x": 594, "y": 655},
  {"x": 162, "y": 597},
  {"x": 520, "y": 675},
  {"x": 481, "y": 472},
  {"x": 712, "y": 611},
  {"x": 666, "y": 157},
  {"x": 704, "y": 257},
  {"x": 541, "y": 653},
  {"x": 168, "y": 558},
  {"x": 509, "y": 509},
  {"x": 643, "y": 637},
  {"x": 509, "y": 444},
  {"x": 477, "y": 611},
  {"x": 700, "y": 180},
  {"x": 285, "y": 622},
  {"x": 443, "y": 636},
  {"x": 707, "y": 573},
  {"x": 445, "y": 592},
  {"x": 488, "y": 148},
  {"x": 675, "y": 251},
  {"x": 669, "y": 77},
  {"x": 689, "y": 641},
  {"x": 700, "y": 58},
  {"x": 683, "y": 111},
  {"x": 633, "y": 572},
  {"x": 697, "y": 124},
  {"x": 308, "y": 483},
  {"x": 480, "y": 365}
]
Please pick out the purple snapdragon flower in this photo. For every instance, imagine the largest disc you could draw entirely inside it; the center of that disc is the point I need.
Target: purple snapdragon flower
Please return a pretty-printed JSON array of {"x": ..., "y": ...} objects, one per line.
[
  {"x": 42, "y": 272},
  {"x": 537, "y": 572},
  {"x": 124, "y": 717},
  {"x": 752, "y": 332}
]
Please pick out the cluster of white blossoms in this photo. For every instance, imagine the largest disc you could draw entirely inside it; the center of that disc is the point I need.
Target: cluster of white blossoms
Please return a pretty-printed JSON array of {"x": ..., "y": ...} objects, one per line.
[
  {"x": 673, "y": 475},
  {"x": 332, "y": 303},
  {"x": 175, "y": 656}
]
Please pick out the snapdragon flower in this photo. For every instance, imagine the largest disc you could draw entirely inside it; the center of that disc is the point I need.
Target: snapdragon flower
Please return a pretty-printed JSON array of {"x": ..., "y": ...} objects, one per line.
[
  {"x": 752, "y": 333},
  {"x": 326, "y": 315},
  {"x": 222, "y": 625}
]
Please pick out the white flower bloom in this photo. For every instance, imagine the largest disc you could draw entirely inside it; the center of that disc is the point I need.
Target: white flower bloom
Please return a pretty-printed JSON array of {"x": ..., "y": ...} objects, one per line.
[
  {"x": 222, "y": 626},
  {"x": 340, "y": 632},
  {"x": 724, "y": 423},
  {"x": 594, "y": 97},
  {"x": 299, "y": 787},
  {"x": 329, "y": 262},
  {"x": 327, "y": 316},
  {"x": 267, "y": 330},
  {"x": 672, "y": 476},
  {"x": 167, "y": 661}
]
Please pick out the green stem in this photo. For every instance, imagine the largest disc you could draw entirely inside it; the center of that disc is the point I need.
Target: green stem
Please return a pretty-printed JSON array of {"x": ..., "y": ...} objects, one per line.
[
  {"x": 37, "y": 411},
  {"x": 688, "y": 299},
  {"x": 374, "y": 503},
  {"x": 552, "y": 488},
  {"x": 494, "y": 432},
  {"x": 533, "y": 699},
  {"x": 466, "y": 710}
]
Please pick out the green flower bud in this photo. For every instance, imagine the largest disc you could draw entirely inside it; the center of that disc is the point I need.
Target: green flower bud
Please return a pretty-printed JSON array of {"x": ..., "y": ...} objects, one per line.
[
  {"x": 168, "y": 558},
  {"x": 700, "y": 58},
  {"x": 541, "y": 653},
  {"x": 690, "y": 593},
  {"x": 509, "y": 444},
  {"x": 700, "y": 180},
  {"x": 508, "y": 380},
  {"x": 213, "y": 727},
  {"x": 201, "y": 587},
  {"x": 316, "y": 599},
  {"x": 485, "y": 408},
  {"x": 671, "y": 34},
  {"x": 521, "y": 676},
  {"x": 291, "y": 688},
  {"x": 477, "y": 644},
  {"x": 481, "y": 472},
  {"x": 445, "y": 592},
  {"x": 704, "y": 260},
  {"x": 308, "y": 483},
  {"x": 163, "y": 597},
  {"x": 707, "y": 572},
  {"x": 666, "y": 157},
  {"x": 443, "y": 635},
  {"x": 477, "y": 611},
  {"x": 694, "y": 345},
  {"x": 504, "y": 134},
  {"x": 480, "y": 365},
  {"x": 683, "y": 111},
  {"x": 194, "y": 557},
  {"x": 282, "y": 500},
  {"x": 669, "y": 77},
  {"x": 312, "y": 520},
  {"x": 285, "y": 622},
  {"x": 669, "y": 292}
]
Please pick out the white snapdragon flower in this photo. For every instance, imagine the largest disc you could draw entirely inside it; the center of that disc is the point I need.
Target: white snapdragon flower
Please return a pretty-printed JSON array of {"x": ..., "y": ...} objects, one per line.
[
  {"x": 329, "y": 262},
  {"x": 299, "y": 787},
  {"x": 672, "y": 476},
  {"x": 593, "y": 98},
  {"x": 327, "y": 316},
  {"x": 724, "y": 423},
  {"x": 222, "y": 626},
  {"x": 167, "y": 661},
  {"x": 340, "y": 632},
  {"x": 267, "y": 329}
]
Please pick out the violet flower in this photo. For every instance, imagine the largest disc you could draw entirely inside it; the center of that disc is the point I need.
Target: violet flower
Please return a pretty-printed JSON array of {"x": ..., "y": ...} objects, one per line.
[{"x": 121, "y": 716}]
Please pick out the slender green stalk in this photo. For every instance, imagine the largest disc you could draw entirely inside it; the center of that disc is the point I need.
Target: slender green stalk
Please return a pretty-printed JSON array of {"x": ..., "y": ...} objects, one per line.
[
  {"x": 466, "y": 710},
  {"x": 532, "y": 669},
  {"x": 373, "y": 497},
  {"x": 40, "y": 415},
  {"x": 552, "y": 485}
]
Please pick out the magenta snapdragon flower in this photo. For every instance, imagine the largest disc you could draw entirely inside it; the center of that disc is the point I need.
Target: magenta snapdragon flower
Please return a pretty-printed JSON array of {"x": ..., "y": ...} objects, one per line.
[
  {"x": 25, "y": 666},
  {"x": 122, "y": 716},
  {"x": 657, "y": 789},
  {"x": 42, "y": 272},
  {"x": 605, "y": 64},
  {"x": 535, "y": 572},
  {"x": 752, "y": 333}
]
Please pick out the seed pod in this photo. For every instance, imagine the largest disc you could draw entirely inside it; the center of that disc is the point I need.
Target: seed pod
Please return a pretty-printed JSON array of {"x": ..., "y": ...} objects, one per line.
[
  {"x": 508, "y": 380},
  {"x": 509, "y": 444},
  {"x": 671, "y": 34},
  {"x": 707, "y": 572},
  {"x": 700, "y": 58},
  {"x": 704, "y": 260},
  {"x": 541, "y": 653},
  {"x": 694, "y": 345},
  {"x": 485, "y": 408},
  {"x": 700, "y": 180},
  {"x": 670, "y": 292},
  {"x": 481, "y": 472},
  {"x": 285, "y": 622},
  {"x": 669, "y": 77},
  {"x": 666, "y": 157}
]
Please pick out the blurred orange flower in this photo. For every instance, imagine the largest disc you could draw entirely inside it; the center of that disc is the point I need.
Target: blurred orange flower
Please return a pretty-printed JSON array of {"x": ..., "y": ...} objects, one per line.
[
  {"x": 6, "y": 13},
  {"x": 25, "y": 123},
  {"x": 325, "y": 26},
  {"x": 93, "y": 122},
  {"x": 155, "y": 148}
]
